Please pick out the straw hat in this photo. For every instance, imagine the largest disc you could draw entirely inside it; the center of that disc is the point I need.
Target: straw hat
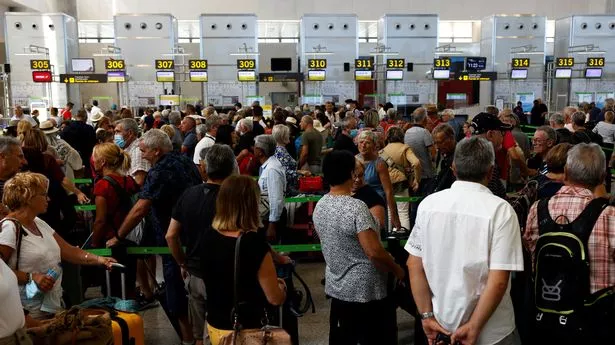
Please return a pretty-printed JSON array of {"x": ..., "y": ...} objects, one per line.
[
  {"x": 318, "y": 126},
  {"x": 97, "y": 116},
  {"x": 291, "y": 121},
  {"x": 47, "y": 127}
]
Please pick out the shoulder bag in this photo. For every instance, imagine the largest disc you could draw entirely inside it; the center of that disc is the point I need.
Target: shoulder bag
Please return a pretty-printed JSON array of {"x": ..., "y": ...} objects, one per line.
[
  {"x": 20, "y": 234},
  {"x": 268, "y": 335}
]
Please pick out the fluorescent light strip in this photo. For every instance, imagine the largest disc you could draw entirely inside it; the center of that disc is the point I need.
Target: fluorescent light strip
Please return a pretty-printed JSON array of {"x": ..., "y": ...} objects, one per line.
[
  {"x": 448, "y": 53},
  {"x": 242, "y": 54},
  {"x": 589, "y": 53},
  {"x": 29, "y": 54},
  {"x": 176, "y": 54},
  {"x": 384, "y": 54},
  {"x": 106, "y": 54}
]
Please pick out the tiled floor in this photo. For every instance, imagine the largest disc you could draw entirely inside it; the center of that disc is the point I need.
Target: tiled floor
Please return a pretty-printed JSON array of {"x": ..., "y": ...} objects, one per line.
[{"x": 313, "y": 328}]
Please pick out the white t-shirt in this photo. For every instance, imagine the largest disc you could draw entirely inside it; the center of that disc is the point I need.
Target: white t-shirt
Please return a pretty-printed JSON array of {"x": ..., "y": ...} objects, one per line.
[
  {"x": 460, "y": 234},
  {"x": 38, "y": 254},
  {"x": 11, "y": 313},
  {"x": 606, "y": 130},
  {"x": 207, "y": 141}
]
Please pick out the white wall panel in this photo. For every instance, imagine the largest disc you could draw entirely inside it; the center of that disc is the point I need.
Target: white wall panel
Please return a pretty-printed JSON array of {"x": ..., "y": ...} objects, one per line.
[
  {"x": 365, "y": 9},
  {"x": 54, "y": 31}
]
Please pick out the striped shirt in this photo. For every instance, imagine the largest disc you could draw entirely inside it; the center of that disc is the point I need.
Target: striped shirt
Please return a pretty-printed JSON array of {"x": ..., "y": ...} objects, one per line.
[{"x": 569, "y": 202}]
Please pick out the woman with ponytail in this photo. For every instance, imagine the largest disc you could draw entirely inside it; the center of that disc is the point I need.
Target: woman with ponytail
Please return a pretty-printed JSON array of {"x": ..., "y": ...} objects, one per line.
[
  {"x": 111, "y": 163},
  {"x": 112, "y": 194}
]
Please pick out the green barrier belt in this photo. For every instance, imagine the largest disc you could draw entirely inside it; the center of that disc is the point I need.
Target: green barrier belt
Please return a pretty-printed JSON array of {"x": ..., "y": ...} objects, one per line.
[
  {"x": 529, "y": 126},
  {"x": 82, "y": 180},
  {"x": 85, "y": 207},
  {"x": 290, "y": 248},
  {"x": 298, "y": 199}
]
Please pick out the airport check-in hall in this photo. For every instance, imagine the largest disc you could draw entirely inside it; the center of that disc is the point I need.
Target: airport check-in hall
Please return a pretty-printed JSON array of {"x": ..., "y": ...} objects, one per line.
[{"x": 193, "y": 172}]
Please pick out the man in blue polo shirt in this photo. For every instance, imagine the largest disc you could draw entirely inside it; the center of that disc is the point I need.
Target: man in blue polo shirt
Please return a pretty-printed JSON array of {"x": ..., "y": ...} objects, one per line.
[{"x": 171, "y": 174}]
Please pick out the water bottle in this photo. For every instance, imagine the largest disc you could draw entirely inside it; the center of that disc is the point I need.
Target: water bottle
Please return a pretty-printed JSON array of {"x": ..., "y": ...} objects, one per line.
[
  {"x": 51, "y": 303},
  {"x": 53, "y": 274}
]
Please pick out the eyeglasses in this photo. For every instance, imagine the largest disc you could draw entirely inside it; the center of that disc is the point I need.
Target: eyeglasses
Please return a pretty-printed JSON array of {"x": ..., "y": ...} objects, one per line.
[{"x": 538, "y": 141}]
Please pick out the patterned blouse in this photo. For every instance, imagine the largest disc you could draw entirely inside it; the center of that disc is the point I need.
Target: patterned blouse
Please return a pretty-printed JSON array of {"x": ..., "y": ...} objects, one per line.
[{"x": 289, "y": 165}]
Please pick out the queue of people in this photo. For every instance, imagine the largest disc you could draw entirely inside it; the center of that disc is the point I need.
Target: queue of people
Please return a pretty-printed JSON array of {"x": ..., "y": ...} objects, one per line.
[{"x": 468, "y": 249}]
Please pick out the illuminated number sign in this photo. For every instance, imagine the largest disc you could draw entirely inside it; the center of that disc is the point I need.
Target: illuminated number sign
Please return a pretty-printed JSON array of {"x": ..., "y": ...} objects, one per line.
[
  {"x": 520, "y": 63},
  {"x": 564, "y": 62},
  {"x": 197, "y": 64},
  {"x": 317, "y": 63},
  {"x": 396, "y": 63},
  {"x": 364, "y": 64},
  {"x": 165, "y": 64},
  {"x": 246, "y": 64},
  {"x": 114, "y": 64},
  {"x": 442, "y": 63},
  {"x": 39, "y": 64},
  {"x": 595, "y": 62}
]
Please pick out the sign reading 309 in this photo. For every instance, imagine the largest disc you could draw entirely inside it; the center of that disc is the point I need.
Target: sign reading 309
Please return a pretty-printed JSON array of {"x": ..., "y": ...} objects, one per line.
[{"x": 246, "y": 64}]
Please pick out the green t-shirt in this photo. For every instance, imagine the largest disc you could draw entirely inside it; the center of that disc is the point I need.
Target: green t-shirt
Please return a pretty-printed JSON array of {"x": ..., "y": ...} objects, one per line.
[{"x": 314, "y": 142}]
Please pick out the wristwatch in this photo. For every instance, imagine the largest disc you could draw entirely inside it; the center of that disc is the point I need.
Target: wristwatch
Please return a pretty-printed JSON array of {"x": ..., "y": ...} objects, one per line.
[{"x": 427, "y": 315}]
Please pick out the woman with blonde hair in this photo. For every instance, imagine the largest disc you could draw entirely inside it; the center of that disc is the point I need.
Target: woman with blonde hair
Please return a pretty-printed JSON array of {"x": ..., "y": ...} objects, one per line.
[
  {"x": 111, "y": 163},
  {"x": 22, "y": 127},
  {"x": 32, "y": 248},
  {"x": 168, "y": 129},
  {"x": 234, "y": 226},
  {"x": 377, "y": 174},
  {"x": 112, "y": 196}
]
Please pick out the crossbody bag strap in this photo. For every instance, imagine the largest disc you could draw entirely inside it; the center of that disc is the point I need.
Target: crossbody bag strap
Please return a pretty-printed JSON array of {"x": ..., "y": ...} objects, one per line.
[
  {"x": 118, "y": 189},
  {"x": 236, "y": 272},
  {"x": 20, "y": 233}
]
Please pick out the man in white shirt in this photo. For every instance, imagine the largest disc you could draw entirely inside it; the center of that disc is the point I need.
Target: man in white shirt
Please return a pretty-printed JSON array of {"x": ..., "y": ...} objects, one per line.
[
  {"x": 464, "y": 245},
  {"x": 19, "y": 115},
  {"x": 206, "y": 134},
  {"x": 272, "y": 182}
]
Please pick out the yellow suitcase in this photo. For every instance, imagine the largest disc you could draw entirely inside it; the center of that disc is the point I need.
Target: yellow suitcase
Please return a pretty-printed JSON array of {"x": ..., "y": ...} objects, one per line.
[{"x": 128, "y": 329}]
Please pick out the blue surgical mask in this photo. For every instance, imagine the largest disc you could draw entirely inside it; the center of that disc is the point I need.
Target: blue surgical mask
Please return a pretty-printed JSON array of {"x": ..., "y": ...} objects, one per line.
[
  {"x": 353, "y": 133},
  {"x": 119, "y": 140}
]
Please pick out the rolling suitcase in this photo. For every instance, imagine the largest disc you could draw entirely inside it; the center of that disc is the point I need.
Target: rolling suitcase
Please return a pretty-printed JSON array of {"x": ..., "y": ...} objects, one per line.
[{"x": 127, "y": 327}]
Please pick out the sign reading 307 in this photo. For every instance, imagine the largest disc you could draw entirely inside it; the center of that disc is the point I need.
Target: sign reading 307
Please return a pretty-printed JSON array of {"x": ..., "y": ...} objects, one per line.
[{"x": 165, "y": 64}]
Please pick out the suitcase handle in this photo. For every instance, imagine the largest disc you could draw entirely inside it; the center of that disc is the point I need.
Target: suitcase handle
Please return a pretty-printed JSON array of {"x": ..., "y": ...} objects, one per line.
[{"x": 122, "y": 277}]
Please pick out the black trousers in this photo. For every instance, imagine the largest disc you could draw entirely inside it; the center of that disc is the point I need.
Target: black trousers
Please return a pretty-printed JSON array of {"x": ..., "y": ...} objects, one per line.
[{"x": 371, "y": 323}]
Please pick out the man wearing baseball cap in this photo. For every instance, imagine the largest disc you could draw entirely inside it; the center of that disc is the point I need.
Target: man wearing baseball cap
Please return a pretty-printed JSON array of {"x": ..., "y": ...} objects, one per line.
[{"x": 491, "y": 128}]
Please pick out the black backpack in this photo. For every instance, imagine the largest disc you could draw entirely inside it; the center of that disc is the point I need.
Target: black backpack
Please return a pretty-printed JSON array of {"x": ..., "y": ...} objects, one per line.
[{"x": 564, "y": 306}]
